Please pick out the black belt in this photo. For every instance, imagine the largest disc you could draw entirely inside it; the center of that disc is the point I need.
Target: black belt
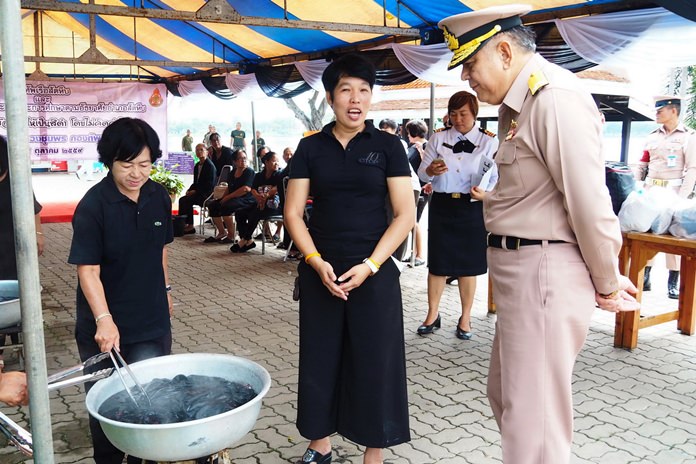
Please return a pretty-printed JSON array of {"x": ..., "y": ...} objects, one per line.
[
  {"x": 514, "y": 243},
  {"x": 455, "y": 196}
]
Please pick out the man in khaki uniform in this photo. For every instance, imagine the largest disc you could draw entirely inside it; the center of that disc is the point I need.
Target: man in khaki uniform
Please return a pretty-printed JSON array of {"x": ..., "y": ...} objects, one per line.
[
  {"x": 553, "y": 237},
  {"x": 669, "y": 161}
]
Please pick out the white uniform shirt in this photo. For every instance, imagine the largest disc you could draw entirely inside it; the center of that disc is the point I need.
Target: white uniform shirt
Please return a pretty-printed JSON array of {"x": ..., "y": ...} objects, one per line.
[{"x": 461, "y": 166}]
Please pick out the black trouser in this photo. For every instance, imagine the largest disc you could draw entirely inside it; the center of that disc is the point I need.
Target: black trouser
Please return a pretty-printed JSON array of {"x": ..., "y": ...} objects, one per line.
[
  {"x": 352, "y": 377},
  {"x": 248, "y": 219},
  {"x": 104, "y": 451},
  {"x": 186, "y": 205}
]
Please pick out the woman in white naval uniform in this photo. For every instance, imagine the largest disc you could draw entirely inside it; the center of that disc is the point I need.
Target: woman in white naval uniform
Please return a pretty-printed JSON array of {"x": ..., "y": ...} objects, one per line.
[{"x": 456, "y": 233}]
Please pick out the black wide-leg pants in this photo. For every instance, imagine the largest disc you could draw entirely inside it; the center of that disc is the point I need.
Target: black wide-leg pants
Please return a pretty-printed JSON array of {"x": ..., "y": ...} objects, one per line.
[{"x": 352, "y": 377}]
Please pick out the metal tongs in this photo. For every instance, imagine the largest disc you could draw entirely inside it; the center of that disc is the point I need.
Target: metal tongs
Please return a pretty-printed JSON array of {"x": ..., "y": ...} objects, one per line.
[
  {"x": 138, "y": 386},
  {"x": 20, "y": 437},
  {"x": 55, "y": 381}
]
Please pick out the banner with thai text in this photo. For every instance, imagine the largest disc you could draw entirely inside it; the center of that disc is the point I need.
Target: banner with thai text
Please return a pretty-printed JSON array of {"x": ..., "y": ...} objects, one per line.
[{"x": 66, "y": 119}]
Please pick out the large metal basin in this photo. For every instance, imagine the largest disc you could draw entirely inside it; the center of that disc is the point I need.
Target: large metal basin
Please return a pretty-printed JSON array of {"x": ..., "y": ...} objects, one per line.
[
  {"x": 10, "y": 313},
  {"x": 183, "y": 440}
]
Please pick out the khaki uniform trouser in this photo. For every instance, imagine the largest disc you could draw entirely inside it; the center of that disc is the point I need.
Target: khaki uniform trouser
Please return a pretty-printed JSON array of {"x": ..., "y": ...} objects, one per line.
[{"x": 544, "y": 299}]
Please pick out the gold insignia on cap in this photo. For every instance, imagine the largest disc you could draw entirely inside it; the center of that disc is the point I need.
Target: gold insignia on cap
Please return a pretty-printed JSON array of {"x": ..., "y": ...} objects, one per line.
[
  {"x": 536, "y": 81},
  {"x": 462, "y": 52}
]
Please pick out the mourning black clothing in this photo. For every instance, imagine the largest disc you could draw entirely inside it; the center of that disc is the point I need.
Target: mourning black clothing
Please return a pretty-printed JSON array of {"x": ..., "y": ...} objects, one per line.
[
  {"x": 126, "y": 239},
  {"x": 352, "y": 377}
]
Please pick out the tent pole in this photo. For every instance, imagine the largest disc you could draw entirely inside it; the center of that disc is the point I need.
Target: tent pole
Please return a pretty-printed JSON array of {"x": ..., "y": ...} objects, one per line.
[
  {"x": 253, "y": 139},
  {"x": 431, "y": 123},
  {"x": 25, "y": 229}
]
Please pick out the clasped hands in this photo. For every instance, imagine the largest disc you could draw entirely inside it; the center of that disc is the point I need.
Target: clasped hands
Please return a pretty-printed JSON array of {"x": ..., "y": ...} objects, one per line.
[{"x": 340, "y": 287}]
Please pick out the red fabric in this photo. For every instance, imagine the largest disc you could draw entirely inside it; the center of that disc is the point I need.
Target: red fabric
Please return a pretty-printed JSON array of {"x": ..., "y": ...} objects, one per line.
[{"x": 646, "y": 157}]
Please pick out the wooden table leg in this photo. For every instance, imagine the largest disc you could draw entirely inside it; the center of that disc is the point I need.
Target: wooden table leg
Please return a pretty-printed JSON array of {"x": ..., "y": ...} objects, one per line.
[
  {"x": 627, "y": 322},
  {"x": 687, "y": 296},
  {"x": 491, "y": 302}
]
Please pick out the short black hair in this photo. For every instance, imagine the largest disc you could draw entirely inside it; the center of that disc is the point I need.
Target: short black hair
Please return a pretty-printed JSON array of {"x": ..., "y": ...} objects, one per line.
[
  {"x": 214, "y": 135},
  {"x": 350, "y": 65},
  {"x": 416, "y": 128},
  {"x": 235, "y": 154},
  {"x": 262, "y": 148},
  {"x": 125, "y": 138},
  {"x": 268, "y": 156},
  {"x": 390, "y": 123},
  {"x": 4, "y": 156}
]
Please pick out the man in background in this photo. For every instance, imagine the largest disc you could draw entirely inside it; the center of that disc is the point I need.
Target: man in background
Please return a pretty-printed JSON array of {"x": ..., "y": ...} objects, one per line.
[
  {"x": 206, "y": 137},
  {"x": 187, "y": 141},
  {"x": 669, "y": 161},
  {"x": 238, "y": 137}
]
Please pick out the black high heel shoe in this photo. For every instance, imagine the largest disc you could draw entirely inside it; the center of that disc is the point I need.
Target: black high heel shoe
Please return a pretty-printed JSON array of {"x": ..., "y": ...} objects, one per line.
[
  {"x": 314, "y": 456},
  {"x": 461, "y": 333},
  {"x": 430, "y": 328}
]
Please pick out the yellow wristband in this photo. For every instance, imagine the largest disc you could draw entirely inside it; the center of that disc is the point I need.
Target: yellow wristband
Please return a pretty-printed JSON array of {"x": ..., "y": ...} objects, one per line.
[
  {"x": 377, "y": 265},
  {"x": 311, "y": 255}
]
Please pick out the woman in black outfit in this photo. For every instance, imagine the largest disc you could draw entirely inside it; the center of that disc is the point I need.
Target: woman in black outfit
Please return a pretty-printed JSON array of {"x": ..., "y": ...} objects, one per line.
[
  {"x": 204, "y": 174},
  {"x": 352, "y": 377},
  {"x": 265, "y": 191},
  {"x": 238, "y": 197}
]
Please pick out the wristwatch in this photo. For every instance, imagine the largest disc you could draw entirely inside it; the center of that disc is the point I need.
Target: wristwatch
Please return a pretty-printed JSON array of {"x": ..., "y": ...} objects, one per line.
[
  {"x": 373, "y": 267},
  {"x": 609, "y": 296}
]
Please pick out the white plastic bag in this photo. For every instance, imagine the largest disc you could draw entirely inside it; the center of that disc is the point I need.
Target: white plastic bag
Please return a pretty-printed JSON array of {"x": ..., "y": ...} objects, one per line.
[
  {"x": 667, "y": 201},
  {"x": 684, "y": 221},
  {"x": 638, "y": 212}
]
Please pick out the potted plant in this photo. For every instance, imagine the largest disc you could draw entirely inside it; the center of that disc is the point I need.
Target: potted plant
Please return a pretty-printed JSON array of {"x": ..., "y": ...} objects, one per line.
[{"x": 170, "y": 181}]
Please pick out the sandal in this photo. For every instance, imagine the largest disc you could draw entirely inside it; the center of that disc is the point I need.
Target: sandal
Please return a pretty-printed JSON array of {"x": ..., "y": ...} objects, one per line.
[
  {"x": 235, "y": 248},
  {"x": 212, "y": 240},
  {"x": 314, "y": 456},
  {"x": 227, "y": 240}
]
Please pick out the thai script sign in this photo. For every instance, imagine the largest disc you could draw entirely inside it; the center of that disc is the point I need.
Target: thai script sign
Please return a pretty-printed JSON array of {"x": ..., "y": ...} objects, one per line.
[{"x": 66, "y": 119}]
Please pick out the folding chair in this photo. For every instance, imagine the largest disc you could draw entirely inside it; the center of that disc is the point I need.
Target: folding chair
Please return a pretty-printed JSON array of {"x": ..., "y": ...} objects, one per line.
[{"x": 202, "y": 216}]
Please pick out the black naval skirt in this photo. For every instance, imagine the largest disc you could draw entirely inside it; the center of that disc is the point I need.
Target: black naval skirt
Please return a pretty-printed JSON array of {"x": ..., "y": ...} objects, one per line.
[
  {"x": 352, "y": 377},
  {"x": 456, "y": 236}
]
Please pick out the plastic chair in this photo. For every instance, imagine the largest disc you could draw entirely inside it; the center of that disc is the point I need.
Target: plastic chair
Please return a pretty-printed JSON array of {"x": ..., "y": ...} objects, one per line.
[{"x": 203, "y": 215}]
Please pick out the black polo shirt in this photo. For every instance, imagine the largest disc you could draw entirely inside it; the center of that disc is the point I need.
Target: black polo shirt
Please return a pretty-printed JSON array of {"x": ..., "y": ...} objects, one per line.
[
  {"x": 126, "y": 240},
  {"x": 348, "y": 187}
]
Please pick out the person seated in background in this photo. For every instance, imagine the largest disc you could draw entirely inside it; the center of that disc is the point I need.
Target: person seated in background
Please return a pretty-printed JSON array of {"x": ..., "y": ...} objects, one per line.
[
  {"x": 285, "y": 172},
  {"x": 13, "y": 388},
  {"x": 238, "y": 197},
  {"x": 265, "y": 192},
  {"x": 204, "y": 174},
  {"x": 219, "y": 154}
]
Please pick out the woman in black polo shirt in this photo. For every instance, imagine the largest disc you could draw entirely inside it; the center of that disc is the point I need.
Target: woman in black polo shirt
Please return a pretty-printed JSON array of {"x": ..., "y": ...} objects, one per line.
[
  {"x": 352, "y": 377},
  {"x": 120, "y": 229}
]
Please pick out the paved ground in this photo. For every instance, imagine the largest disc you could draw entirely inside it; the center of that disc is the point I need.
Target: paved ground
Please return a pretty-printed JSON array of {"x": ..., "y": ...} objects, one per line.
[{"x": 631, "y": 407}]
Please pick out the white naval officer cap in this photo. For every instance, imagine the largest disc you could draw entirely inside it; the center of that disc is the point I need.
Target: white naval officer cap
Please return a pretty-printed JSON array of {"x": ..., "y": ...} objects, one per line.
[
  {"x": 465, "y": 33},
  {"x": 664, "y": 100}
]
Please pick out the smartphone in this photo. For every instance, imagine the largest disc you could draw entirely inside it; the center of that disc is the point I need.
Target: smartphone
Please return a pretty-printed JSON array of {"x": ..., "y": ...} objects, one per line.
[{"x": 439, "y": 161}]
